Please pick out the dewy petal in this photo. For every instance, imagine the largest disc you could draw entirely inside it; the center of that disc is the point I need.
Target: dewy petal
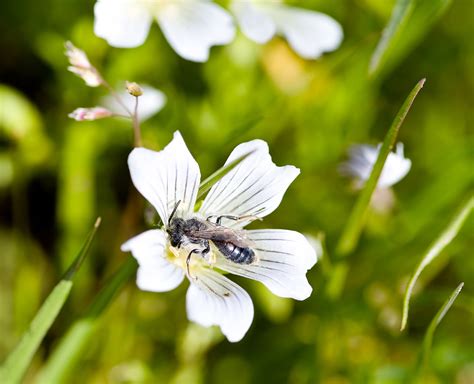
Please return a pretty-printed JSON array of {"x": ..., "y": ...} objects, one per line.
[
  {"x": 166, "y": 177},
  {"x": 192, "y": 27},
  {"x": 309, "y": 33},
  {"x": 283, "y": 258},
  {"x": 212, "y": 299},
  {"x": 155, "y": 273},
  {"x": 150, "y": 103},
  {"x": 124, "y": 23},
  {"x": 253, "y": 21},
  {"x": 254, "y": 187}
]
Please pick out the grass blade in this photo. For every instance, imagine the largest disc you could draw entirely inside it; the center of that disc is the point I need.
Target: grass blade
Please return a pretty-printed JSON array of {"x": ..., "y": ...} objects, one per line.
[
  {"x": 428, "y": 339},
  {"x": 355, "y": 223},
  {"x": 207, "y": 184},
  {"x": 75, "y": 341},
  {"x": 400, "y": 14},
  {"x": 19, "y": 359},
  {"x": 434, "y": 250}
]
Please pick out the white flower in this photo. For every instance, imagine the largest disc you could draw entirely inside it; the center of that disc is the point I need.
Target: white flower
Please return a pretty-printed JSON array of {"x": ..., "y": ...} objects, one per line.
[
  {"x": 362, "y": 159},
  {"x": 81, "y": 66},
  {"x": 190, "y": 26},
  {"x": 149, "y": 103},
  {"x": 83, "y": 114},
  {"x": 254, "y": 188},
  {"x": 309, "y": 33}
]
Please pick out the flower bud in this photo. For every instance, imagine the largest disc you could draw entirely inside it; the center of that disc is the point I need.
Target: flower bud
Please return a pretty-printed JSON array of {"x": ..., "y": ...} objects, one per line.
[
  {"x": 88, "y": 114},
  {"x": 81, "y": 66},
  {"x": 134, "y": 89}
]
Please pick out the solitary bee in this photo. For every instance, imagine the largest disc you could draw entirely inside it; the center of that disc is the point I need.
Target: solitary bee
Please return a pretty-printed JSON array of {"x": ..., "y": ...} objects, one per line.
[{"x": 231, "y": 243}]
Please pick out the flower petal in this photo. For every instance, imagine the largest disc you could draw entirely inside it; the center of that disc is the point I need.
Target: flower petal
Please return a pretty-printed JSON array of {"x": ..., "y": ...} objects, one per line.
[
  {"x": 212, "y": 299},
  {"x": 253, "y": 21},
  {"x": 124, "y": 24},
  {"x": 309, "y": 33},
  {"x": 166, "y": 177},
  {"x": 150, "y": 103},
  {"x": 155, "y": 273},
  {"x": 192, "y": 27},
  {"x": 283, "y": 257},
  {"x": 363, "y": 157},
  {"x": 395, "y": 168},
  {"x": 254, "y": 187}
]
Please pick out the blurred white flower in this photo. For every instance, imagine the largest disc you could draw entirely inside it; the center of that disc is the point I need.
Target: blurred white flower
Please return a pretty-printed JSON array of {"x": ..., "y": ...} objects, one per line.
[
  {"x": 149, "y": 103},
  {"x": 81, "y": 66},
  {"x": 362, "y": 159},
  {"x": 83, "y": 114},
  {"x": 254, "y": 188},
  {"x": 190, "y": 26},
  {"x": 309, "y": 33}
]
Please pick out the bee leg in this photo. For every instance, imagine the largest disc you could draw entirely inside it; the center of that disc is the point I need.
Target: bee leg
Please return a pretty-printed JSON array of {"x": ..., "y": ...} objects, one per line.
[
  {"x": 236, "y": 218},
  {"x": 188, "y": 260},
  {"x": 206, "y": 250}
]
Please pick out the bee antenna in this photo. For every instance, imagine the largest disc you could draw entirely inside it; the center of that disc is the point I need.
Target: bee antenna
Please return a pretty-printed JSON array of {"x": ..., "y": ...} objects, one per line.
[{"x": 173, "y": 212}]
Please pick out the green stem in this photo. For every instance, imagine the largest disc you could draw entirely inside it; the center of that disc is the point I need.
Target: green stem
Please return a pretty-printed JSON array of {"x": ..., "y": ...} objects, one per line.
[
  {"x": 73, "y": 345},
  {"x": 434, "y": 250},
  {"x": 19, "y": 359},
  {"x": 428, "y": 339},
  {"x": 356, "y": 221}
]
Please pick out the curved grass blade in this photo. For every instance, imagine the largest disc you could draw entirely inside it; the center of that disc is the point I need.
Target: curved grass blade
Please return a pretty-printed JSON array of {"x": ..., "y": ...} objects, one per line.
[
  {"x": 19, "y": 359},
  {"x": 400, "y": 14},
  {"x": 434, "y": 250},
  {"x": 356, "y": 221},
  {"x": 428, "y": 339},
  {"x": 207, "y": 184},
  {"x": 75, "y": 341}
]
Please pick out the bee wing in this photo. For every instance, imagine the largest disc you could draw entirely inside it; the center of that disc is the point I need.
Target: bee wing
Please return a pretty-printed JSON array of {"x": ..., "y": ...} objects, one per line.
[{"x": 220, "y": 233}]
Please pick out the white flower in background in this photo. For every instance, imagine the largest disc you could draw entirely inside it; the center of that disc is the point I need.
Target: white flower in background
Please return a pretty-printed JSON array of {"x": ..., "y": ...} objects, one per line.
[
  {"x": 252, "y": 189},
  {"x": 83, "y": 114},
  {"x": 190, "y": 26},
  {"x": 362, "y": 159},
  {"x": 149, "y": 103},
  {"x": 309, "y": 33},
  {"x": 81, "y": 66}
]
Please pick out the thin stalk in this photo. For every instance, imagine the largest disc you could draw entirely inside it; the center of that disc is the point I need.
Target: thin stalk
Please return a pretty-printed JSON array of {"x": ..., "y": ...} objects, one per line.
[
  {"x": 116, "y": 96},
  {"x": 428, "y": 339},
  {"x": 79, "y": 336},
  {"x": 136, "y": 125},
  {"x": 351, "y": 233},
  {"x": 20, "y": 358},
  {"x": 433, "y": 251}
]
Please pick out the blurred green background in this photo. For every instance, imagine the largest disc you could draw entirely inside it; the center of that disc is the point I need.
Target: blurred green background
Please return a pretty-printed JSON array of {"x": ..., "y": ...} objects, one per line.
[{"x": 58, "y": 175}]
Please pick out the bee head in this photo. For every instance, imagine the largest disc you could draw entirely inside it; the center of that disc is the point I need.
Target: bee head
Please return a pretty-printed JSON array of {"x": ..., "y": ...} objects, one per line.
[{"x": 176, "y": 231}]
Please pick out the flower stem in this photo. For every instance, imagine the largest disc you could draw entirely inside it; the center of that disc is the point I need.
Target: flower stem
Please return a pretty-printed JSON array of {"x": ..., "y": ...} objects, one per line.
[
  {"x": 136, "y": 126},
  {"x": 116, "y": 96},
  {"x": 350, "y": 236},
  {"x": 78, "y": 338}
]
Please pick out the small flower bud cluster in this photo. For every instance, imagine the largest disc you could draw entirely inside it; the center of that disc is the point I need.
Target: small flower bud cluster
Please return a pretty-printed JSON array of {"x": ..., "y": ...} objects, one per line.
[
  {"x": 81, "y": 66},
  {"x": 89, "y": 114}
]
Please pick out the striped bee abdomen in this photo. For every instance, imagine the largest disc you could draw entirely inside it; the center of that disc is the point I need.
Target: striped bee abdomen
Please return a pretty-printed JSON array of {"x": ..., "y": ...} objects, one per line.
[{"x": 239, "y": 255}]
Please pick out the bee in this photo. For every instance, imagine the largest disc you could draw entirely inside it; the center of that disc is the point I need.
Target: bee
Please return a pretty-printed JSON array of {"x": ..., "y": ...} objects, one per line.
[{"x": 232, "y": 244}]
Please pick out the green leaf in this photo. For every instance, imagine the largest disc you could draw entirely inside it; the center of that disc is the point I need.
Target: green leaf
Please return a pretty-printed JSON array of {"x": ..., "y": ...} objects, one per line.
[
  {"x": 411, "y": 20},
  {"x": 72, "y": 346},
  {"x": 400, "y": 13},
  {"x": 428, "y": 339},
  {"x": 434, "y": 250},
  {"x": 207, "y": 184},
  {"x": 19, "y": 359},
  {"x": 356, "y": 221}
]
